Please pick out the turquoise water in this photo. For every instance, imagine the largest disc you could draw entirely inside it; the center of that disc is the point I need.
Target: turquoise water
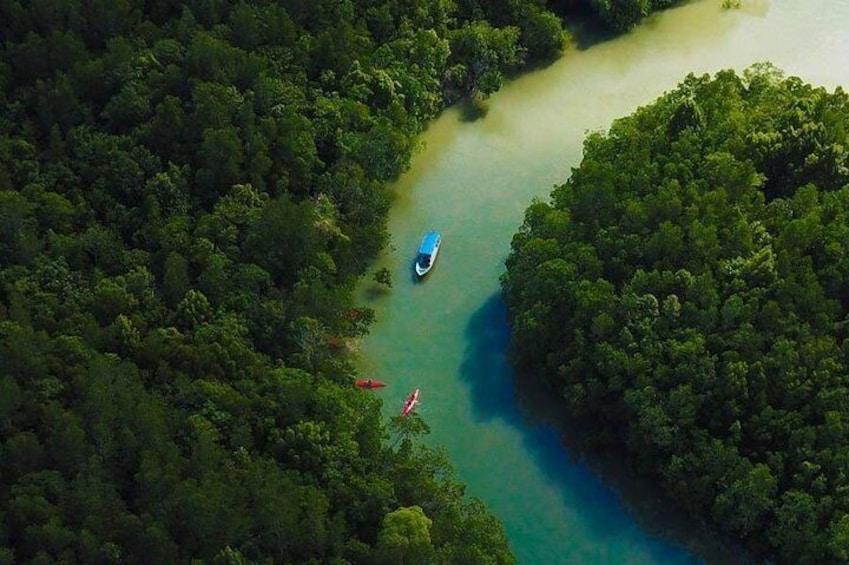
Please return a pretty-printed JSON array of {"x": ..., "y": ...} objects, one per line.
[{"x": 447, "y": 335}]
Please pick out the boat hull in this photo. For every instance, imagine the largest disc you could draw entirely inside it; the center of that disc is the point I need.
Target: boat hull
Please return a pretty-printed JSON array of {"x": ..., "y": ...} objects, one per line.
[
  {"x": 428, "y": 251},
  {"x": 369, "y": 383},
  {"x": 422, "y": 271},
  {"x": 410, "y": 403}
]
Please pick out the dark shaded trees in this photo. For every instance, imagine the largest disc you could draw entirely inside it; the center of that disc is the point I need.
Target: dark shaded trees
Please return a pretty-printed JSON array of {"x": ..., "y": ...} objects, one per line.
[
  {"x": 188, "y": 194},
  {"x": 685, "y": 293}
]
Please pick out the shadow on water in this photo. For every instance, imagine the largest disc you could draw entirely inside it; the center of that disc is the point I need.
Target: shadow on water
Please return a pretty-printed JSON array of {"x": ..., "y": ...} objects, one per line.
[
  {"x": 584, "y": 26},
  {"x": 472, "y": 110},
  {"x": 374, "y": 292},
  {"x": 411, "y": 269},
  {"x": 610, "y": 498}
]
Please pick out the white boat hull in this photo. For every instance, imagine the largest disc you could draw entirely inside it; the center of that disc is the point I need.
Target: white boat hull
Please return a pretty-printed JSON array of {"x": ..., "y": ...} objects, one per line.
[
  {"x": 427, "y": 254},
  {"x": 423, "y": 270}
]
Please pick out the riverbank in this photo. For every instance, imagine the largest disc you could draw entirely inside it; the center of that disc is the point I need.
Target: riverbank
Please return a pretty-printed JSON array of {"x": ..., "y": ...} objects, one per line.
[{"x": 473, "y": 181}]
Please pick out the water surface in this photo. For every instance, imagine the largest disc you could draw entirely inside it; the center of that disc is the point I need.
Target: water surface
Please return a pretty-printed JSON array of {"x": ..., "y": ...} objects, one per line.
[{"x": 473, "y": 181}]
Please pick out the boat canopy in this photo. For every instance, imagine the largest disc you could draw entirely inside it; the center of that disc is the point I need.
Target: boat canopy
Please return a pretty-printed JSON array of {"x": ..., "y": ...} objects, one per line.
[{"x": 429, "y": 243}]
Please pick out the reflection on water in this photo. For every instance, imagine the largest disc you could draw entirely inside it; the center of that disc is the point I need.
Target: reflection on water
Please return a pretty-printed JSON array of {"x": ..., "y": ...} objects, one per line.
[{"x": 599, "y": 483}]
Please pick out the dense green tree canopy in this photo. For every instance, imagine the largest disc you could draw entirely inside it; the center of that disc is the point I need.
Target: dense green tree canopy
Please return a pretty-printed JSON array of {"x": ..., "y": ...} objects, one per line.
[
  {"x": 686, "y": 292},
  {"x": 622, "y": 15},
  {"x": 188, "y": 193}
]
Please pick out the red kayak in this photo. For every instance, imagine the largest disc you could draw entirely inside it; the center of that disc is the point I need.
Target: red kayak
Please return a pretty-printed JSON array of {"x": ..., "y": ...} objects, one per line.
[
  {"x": 369, "y": 383},
  {"x": 410, "y": 403}
]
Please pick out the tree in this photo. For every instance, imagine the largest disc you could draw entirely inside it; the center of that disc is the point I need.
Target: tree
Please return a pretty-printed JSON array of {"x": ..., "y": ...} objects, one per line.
[
  {"x": 622, "y": 15},
  {"x": 405, "y": 537},
  {"x": 745, "y": 502},
  {"x": 18, "y": 239},
  {"x": 220, "y": 162},
  {"x": 284, "y": 239},
  {"x": 188, "y": 197},
  {"x": 542, "y": 32},
  {"x": 383, "y": 277},
  {"x": 175, "y": 279},
  {"x": 683, "y": 305},
  {"x": 484, "y": 53}
]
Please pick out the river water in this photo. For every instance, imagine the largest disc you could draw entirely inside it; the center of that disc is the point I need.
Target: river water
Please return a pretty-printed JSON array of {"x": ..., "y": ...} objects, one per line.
[{"x": 448, "y": 335}]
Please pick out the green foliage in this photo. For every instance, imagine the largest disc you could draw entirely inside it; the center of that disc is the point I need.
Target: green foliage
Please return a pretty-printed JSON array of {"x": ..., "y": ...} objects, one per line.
[
  {"x": 383, "y": 277},
  {"x": 622, "y": 15},
  {"x": 484, "y": 53},
  {"x": 542, "y": 32},
  {"x": 405, "y": 537},
  {"x": 685, "y": 292},
  {"x": 283, "y": 240},
  {"x": 188, "y": 194}
]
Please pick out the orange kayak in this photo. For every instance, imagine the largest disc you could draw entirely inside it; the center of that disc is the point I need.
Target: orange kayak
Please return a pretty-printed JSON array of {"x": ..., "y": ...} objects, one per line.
[{"x": 369, "y": 383}]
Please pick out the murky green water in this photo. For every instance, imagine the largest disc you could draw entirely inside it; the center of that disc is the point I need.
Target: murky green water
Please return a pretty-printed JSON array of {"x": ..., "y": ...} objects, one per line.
[{"x": 472, "y": 182}]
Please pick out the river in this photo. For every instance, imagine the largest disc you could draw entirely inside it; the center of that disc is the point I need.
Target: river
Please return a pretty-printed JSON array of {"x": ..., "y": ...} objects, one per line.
[{"x": 448, "y": 335}]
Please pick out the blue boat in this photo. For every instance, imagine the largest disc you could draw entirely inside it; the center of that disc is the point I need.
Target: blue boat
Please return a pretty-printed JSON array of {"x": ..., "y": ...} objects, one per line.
[{"x": 428, "y": 251}]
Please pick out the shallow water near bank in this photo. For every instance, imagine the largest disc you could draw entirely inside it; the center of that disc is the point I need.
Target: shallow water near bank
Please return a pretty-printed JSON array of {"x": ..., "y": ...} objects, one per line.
[{"x": 448, "y": 334}]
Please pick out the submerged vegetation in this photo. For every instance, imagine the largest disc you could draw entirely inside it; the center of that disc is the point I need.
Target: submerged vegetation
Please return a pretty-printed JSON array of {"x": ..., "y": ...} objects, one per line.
[{"x": 686, "y": 293}]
